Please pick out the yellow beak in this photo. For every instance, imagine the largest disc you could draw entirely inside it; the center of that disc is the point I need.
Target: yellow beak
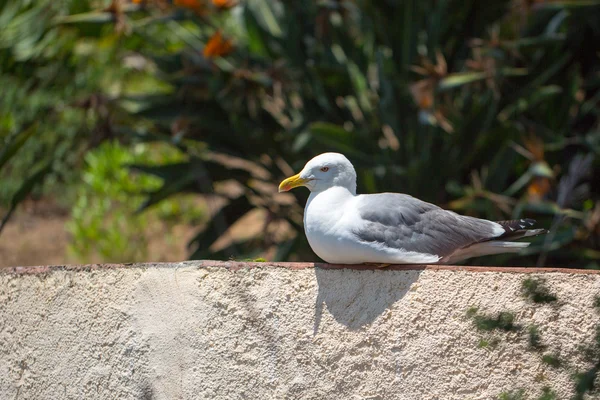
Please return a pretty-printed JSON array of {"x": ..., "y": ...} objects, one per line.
[{"x": 292, "y": 182}]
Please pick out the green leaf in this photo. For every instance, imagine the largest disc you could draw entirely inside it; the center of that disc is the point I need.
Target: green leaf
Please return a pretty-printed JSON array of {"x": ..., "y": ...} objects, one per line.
[
  {"x": 15, "y": 143},
  {"x": 194, "y": 176},
  {"x": 518, "y": 184},
  {"x": 536, "y": 41},
  {"x": 265, "y": 15},
  {"x": 181, "y": 183},
  {"x": 331, "y": 132},
  {"x": 459, "y": 79},
  {"x": 255, "y": 35},
  {"x": 541, "y": 169},
  {"x": 514, "y": 71},
  {"x": 525, "y": 103},
  {"x": 24, "y": 190},
  {"x": 96, "y": 17},
  {"x": 359, "y": 82},
  {"x": 559, "y": 5},
  {"x": 168, "y": 172}
]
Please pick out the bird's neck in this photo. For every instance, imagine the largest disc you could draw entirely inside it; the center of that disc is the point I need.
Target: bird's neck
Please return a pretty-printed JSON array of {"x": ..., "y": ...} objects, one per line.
[
  {"x": 333, "y": 197},
  {"x": 324, "y": 209}
]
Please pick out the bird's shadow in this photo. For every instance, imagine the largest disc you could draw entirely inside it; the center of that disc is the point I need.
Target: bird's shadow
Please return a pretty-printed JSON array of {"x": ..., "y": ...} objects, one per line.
[{"x": 356, "y": 296}]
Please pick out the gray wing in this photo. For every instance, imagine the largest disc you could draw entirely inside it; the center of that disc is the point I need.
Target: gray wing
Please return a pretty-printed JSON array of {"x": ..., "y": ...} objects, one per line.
[{"x": 404, "y": 222}]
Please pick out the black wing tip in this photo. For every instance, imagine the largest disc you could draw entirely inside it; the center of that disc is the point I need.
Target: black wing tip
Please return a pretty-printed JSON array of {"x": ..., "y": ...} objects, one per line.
[{"x": 516, "y": 225}]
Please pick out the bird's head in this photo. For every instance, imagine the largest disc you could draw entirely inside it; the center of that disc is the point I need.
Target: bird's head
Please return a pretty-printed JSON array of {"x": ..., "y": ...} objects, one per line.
[{"x": 323, "y": 172}]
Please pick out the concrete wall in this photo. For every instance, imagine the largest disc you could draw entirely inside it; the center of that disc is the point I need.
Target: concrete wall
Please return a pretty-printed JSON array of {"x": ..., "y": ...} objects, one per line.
[{"x": 215, "y": 330}]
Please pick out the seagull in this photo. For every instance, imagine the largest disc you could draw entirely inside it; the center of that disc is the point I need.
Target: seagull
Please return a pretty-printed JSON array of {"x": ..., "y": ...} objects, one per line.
[{"x": 391, "y": 228}]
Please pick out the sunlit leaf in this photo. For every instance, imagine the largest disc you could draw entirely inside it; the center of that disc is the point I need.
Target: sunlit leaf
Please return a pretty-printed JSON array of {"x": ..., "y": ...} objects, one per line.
[
  {"x": 460, "y": 79},
  {"x": 94, "y": 17}
]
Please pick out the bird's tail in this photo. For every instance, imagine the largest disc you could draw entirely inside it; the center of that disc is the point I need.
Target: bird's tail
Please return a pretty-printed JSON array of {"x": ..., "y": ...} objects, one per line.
[
  {"x": 484, "y": 249},
  {"x": 513, "y": 230},
  {"x": 518, "y": 229}
]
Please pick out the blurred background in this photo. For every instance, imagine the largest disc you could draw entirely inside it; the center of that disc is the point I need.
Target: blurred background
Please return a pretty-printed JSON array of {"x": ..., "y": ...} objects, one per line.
[{"x": 158, "y": 130}]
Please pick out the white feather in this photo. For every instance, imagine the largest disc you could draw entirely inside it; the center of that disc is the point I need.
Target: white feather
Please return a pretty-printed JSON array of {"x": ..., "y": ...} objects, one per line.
[{"x": 484, "y": 249}]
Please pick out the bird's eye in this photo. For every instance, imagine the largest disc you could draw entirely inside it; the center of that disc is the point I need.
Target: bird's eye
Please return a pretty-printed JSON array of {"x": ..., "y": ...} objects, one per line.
[{"x": 324, "y": 169}]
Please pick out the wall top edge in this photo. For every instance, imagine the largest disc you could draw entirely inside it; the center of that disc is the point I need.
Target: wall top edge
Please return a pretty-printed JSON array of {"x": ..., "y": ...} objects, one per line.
[{"x": 240, "y": 265}]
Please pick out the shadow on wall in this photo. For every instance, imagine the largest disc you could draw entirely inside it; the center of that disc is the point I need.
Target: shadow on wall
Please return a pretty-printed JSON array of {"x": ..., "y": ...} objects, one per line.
[{"x": 357, "y": 299}]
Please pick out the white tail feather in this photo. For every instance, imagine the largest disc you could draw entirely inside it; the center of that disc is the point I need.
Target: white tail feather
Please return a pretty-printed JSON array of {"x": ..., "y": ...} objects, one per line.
[
  {"x": 533, "y": 232},
  {"x": 484, "y": 249}
]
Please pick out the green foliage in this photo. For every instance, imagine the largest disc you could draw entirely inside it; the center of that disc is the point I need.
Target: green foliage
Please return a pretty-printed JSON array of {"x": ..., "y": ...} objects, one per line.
[
  {"x": 518, "y": 394},
  {"x": 434, "y": 98},
  {"x": 483, "y": 107},
  {"x": 552, "y": 360},
  {"x": 503, "y": 321},
  {"x": 585, "y": 382},
  {"x": 488, "y": 343},
  {"x": 425, "y": 100},
  {"x": 537, "y": 291},
  {"x": 104, "y": 222},
  {"x": 547, "y": 394},
  {"x": 472, "y": 312},
  {"x": 58, "y": 83},
  {"x": 535, "y": 340}
]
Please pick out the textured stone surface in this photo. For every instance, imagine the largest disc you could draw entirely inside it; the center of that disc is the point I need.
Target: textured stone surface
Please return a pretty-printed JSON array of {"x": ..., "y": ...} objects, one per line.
[{"x": 192, "y": 331}]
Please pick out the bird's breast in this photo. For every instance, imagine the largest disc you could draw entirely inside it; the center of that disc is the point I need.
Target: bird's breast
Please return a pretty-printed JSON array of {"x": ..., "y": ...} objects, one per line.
[
  {"x": 324, "y": 223},
  {"x": 325, "y": 210}
]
